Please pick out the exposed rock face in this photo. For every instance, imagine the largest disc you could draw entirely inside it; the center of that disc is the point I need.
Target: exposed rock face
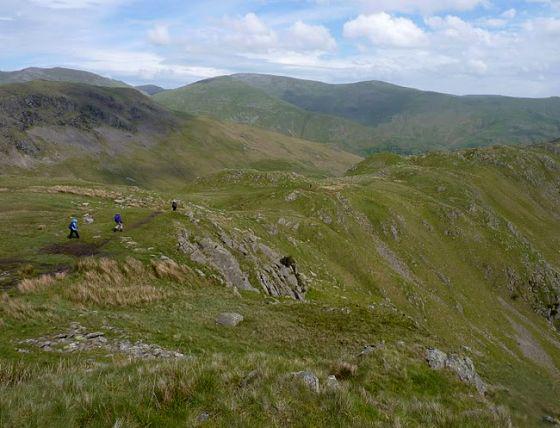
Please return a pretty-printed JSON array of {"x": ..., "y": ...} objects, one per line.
[
  {"x": 279, "y": 276},
  {"x": 208, "y": 252},
  {"x": 276, "y": 275},
  {"x": 229, "y": 319},
  {"x": 461, "y": 365}
]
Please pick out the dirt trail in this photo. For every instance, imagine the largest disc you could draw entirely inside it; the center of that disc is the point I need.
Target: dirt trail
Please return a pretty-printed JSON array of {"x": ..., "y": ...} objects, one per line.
[{"x": 84, "y": 249}]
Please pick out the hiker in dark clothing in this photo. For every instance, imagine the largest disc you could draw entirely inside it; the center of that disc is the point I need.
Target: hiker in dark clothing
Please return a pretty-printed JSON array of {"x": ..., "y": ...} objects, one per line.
[
  {"x": 73, "y": 226},
  {"x": 174, "y": 205},
  {"x": 119, "y": 226}
]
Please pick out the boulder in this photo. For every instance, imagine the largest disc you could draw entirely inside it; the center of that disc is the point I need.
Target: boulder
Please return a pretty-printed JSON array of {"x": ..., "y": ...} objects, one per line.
[
  {"x": 309, "y": 379},
  {"x": 229, "y": 319}
]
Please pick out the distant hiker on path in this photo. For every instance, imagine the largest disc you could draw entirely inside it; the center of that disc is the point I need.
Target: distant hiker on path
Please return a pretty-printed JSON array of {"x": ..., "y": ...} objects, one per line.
[
  {"x": 73, "y": 226},
  {"x": 119, "y": 226},
  {"x": 174, "y": 205}
]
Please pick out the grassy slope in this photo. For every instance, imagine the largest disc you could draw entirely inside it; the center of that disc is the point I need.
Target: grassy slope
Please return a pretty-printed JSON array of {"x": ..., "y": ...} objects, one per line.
[
  {"x": 469, "y": 227},
  {"x": 58, "y": 74},
  {"x": 404, "y": 120}
]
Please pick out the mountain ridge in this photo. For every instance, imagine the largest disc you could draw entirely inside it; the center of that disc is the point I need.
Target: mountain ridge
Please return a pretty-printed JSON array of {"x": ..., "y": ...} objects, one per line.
[
  {"x": 59, "y": 74},
  {"x": 379, "y": 115}
]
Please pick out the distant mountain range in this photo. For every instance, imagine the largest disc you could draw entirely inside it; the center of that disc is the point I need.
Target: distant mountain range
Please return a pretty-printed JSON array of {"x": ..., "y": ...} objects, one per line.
[
  {"x": 368, "y": 117},
  {"x": 362, "y": 118}
]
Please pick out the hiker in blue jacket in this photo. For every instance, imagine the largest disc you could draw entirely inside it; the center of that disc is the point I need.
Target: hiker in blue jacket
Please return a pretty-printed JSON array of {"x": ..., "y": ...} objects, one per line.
[
  {"x": 73, "y": 226},
  {"x": 119, "y": 226}
]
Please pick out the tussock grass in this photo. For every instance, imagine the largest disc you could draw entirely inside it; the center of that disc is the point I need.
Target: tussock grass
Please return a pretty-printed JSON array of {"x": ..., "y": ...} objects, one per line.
[
  {"x": 107, "y": 282},
  {"x": 169, "y": 269},
  {"x": 31, "y": 285},
  {"x": 343, "y": 370},
  {"x": 252, "y": 390},
  {"x": 15, "y": 308}
]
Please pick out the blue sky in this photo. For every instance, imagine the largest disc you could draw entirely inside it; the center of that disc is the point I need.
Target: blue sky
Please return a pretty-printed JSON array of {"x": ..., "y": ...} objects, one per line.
[{"x": 455, "y": 46}]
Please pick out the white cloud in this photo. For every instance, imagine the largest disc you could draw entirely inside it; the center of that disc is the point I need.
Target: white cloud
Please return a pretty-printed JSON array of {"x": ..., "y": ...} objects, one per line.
[
  {"x": 141, "y": 64},
  {"x": 550, "y": 26},
  {"x": 311, "y": 37},
  {"x": 250, "y": 32},
  {"x": 383, "y": 29},
  {"x": 159, "y": 35},
  {"x": 494, "y": 22}
]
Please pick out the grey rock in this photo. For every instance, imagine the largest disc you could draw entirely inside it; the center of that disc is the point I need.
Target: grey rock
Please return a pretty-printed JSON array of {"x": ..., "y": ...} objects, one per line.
[
  {"x": 208, "y": 252},
  {"x": 203, "y": 417},
  {"x": 94, "y": 335},
  {"x": 229, "y": 319},
  {"x": 332, "y": 383},
  {"x": 436, "y": 358},
  {"x": 309, "y": 379},
  {"x": 551, "y": 420},
  {"x": 88, "y": 219},
  {"x": 244, "y": 247},
  {"x": 292, "y": 196},
  {"x": 464, "y": 368},
  {"x": 461, "y": 365}
]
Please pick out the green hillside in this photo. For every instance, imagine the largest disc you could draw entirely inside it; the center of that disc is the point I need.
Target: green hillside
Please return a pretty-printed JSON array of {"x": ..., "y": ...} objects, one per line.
[
  {"x": 118, "y": 135},
  {"x": 369, "y": 117},
  {"x": 233, "y": 101},
  {"x": 455, "y": 251}
]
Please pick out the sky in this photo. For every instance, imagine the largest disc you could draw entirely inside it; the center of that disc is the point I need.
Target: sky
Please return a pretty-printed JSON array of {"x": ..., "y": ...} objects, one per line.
[{"x": 454, "y": 46}]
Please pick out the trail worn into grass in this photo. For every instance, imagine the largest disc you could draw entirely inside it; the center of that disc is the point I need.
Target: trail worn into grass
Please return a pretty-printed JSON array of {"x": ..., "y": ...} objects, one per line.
[{"x": 85, "y": 249}]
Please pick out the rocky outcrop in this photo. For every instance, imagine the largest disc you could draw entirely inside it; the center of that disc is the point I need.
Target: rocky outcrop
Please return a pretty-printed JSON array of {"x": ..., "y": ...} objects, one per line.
[
  {"x": 210, "y": 253},
  {"x": 276, "y": 275},
  {"x": 461, "y": 365}
]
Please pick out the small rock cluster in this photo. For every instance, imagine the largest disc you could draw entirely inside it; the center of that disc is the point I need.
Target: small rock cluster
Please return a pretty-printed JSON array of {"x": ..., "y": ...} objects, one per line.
[
  {"x": 311, "y": 381},
  {"x": 461, "y": 365},
  {"x": 78, "y": 339}
]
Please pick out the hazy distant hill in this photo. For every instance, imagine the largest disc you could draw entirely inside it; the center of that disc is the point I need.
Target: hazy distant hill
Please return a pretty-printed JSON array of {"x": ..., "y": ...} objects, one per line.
[
  {"x": 57, "y": 74},
  {"x": 377, "y": 116},
  {"x": 150, "y": 89}
]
